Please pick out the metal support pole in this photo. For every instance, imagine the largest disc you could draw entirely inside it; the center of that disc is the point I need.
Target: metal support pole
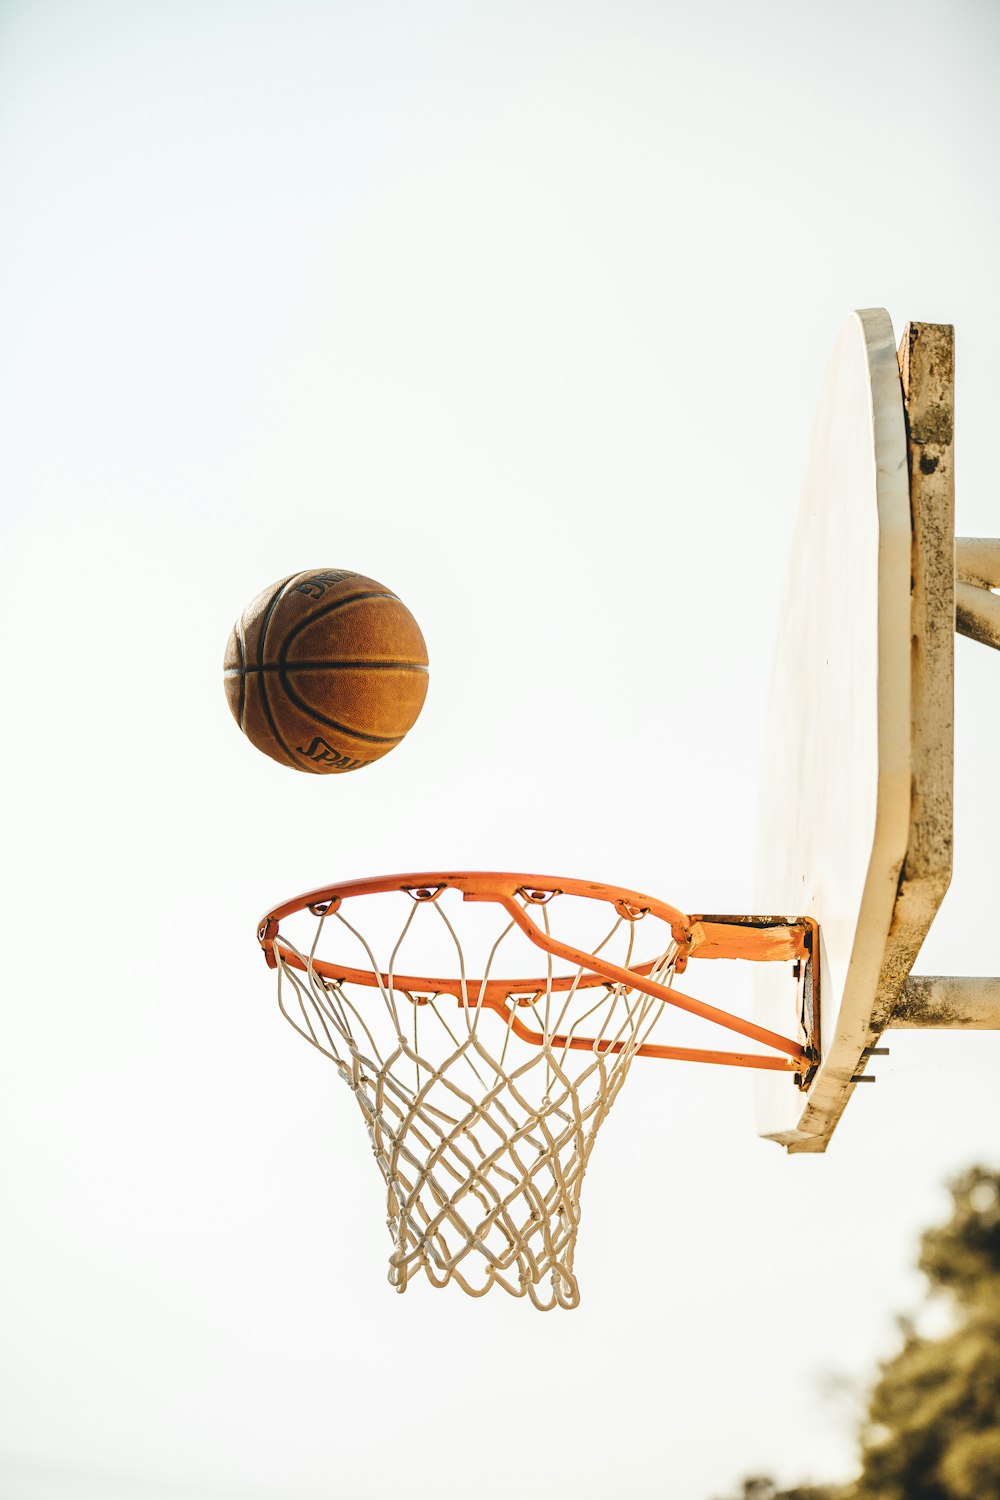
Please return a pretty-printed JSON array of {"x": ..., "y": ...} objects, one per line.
[
  {"x": 963, "y": 1003},
  {"x": 977, "y": 573}
]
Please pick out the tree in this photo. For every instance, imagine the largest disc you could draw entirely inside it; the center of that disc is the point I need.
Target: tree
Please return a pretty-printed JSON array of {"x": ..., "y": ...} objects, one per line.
[
  {"x": 761, "y": 1487},
  {"x": 932, "y": 1430}
]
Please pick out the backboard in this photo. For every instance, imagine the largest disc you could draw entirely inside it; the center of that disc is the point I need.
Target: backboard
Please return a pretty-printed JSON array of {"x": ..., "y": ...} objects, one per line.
[{"x": 856, "y": 806}]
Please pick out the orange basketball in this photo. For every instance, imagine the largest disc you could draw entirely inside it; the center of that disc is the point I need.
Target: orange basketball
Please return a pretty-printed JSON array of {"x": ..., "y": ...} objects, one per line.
[{"x": 326, "y": 671}]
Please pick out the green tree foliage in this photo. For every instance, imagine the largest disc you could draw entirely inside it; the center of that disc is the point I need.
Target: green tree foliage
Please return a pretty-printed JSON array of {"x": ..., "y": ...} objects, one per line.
[
  {"x": 759, "y": 1487},
  {"x": 933, "y": 1430},
  {"x": 963, "y": 1256},
  {"x": 933, "y": 1426}
]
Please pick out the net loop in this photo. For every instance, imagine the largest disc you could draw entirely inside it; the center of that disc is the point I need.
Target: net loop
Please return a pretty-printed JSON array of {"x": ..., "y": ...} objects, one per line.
[
  {"x": 324, "y": 908},
  {"x": 629, "y": 912},
  {"x": 536, "y": 897}
]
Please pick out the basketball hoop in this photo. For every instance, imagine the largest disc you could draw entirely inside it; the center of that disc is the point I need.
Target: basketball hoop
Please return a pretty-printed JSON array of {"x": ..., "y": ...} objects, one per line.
[{"x": 483, "y": 1129}]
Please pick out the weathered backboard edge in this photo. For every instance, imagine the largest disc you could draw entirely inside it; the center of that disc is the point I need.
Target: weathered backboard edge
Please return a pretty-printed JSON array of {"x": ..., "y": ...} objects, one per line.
[{"x": 925, "y": 372}]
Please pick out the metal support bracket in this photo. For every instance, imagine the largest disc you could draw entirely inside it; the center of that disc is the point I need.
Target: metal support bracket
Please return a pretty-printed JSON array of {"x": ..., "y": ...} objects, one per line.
[
  {"x": 934, "y": 1002},
  {"x": 963, "y": 1002},
  {"x": 977, "y": 574}
]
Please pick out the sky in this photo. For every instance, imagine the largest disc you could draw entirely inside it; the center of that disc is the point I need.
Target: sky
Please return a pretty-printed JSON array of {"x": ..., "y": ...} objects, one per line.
[{"x": 523, "y": 310}]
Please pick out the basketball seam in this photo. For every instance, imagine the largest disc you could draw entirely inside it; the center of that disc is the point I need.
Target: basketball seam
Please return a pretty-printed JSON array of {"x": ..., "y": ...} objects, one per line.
[
  {"x": 339, "y": 665},
  {"x": 243, "y": 680},
  {"x": 330, "y": 609},
  {"x": 292, "y": 759},
  {"x": 313, "y": 713}
]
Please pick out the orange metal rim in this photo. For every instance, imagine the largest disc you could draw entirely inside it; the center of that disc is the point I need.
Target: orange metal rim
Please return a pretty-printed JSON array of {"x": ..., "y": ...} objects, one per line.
[{"x": 763, "y": 939}]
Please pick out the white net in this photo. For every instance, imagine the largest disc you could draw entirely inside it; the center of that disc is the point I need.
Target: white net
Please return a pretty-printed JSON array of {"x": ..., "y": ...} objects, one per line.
[{"x": 482, "y": 1100}]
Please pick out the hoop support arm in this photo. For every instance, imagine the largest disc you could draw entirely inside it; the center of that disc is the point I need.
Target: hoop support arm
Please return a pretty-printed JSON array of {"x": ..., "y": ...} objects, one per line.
[
  {"x": 651, "y": 1049},
  {"x": 501, "y": 996},
  {"x": 651, "y": 987}
]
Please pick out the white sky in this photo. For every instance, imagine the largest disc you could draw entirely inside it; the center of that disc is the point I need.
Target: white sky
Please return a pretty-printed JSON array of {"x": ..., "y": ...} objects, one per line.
[{"x": 523, "y": 310}]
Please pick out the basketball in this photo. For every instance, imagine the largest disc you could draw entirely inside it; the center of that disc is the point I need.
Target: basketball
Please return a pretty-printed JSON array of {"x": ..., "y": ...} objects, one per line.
[{"x": 326, "y": 671}]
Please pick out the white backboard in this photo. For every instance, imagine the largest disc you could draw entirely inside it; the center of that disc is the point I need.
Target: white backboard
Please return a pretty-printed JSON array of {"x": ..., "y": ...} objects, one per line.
[{"x": 853, "y": 751}]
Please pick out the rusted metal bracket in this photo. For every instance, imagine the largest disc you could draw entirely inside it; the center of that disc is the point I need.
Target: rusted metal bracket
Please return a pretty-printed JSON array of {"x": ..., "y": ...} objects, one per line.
[
  {"x": 771, "y": 938},
  {"x": 977, "y": 574},
  {"x": 866, "y": 1055}
]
